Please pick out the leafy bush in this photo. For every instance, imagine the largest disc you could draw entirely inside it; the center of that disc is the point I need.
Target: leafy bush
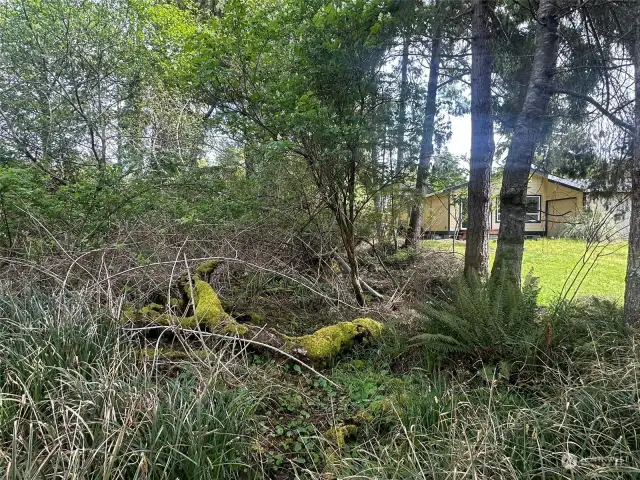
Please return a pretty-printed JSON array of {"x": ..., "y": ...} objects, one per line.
[
  {"x": 591, "y": 226},
  {"x": 488, "y": 322}
]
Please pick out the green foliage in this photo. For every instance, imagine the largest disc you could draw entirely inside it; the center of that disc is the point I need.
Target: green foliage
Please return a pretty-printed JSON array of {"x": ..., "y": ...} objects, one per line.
[
  {"x": 62, "y": 357},
  {"x": 483, "y": 322},
  {"x": 587, "y": 327},
  {"x": 565, "y": 427}
]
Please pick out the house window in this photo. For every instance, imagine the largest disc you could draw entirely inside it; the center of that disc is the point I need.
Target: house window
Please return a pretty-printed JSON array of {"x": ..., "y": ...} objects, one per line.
[{"x": 532, "y": 207}]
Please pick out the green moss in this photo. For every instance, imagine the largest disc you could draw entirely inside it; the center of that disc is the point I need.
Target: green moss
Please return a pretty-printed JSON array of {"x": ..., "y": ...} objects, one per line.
[
  {"x": 234, "y": 328},
  {"x": 373, "y": 328},
  {"x": 341, "y": 433},
  {"x": 176, "y": 302},
  {"x": 255, "y": 318},
  {"x": 208, "y": 313},
  {"x": 208, "y": 309},
  {"x": 205, "y": 269},
  {"x": 152, "y": 309},
  {"x": 129, "y": 314},
  {"x": 390, "y": 407},
  {"x": 383, "y": 406},
  {"x": 165, "y": 319},
  {"x": 354, "y": 365},
  {"x": 329, "y": 341},
  {"x": 362, "y": 416}
]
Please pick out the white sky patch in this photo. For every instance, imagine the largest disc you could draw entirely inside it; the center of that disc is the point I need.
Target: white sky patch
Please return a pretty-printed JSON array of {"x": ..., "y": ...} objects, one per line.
[{"x": 460, "y": 142}]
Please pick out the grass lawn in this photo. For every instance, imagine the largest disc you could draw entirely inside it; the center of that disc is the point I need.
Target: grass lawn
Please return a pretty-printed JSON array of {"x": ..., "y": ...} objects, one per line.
[{"x": 552, "y": 260}]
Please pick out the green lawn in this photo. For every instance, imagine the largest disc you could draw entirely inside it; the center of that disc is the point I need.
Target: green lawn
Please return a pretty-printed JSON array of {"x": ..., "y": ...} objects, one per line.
[{"x": 552, "y": 260}]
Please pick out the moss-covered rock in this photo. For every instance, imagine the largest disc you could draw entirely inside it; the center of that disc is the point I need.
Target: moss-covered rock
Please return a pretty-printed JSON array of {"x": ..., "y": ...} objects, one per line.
[{"x": 329, "y": 341}]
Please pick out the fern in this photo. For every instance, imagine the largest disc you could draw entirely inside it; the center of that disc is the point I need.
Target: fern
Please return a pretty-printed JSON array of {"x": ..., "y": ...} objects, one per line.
[{"x": 493, "y": 321}]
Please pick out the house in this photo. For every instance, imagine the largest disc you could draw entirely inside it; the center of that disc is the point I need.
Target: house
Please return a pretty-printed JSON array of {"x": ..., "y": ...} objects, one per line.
[{"x": 553, "y": 203}]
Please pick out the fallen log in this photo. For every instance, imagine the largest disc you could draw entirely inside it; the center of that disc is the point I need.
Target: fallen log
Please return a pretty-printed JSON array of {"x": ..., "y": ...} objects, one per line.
[{"x": 209, "y": 315}]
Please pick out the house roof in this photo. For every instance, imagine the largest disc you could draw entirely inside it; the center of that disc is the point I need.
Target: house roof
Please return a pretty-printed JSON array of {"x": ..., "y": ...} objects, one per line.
[
  {"x": 581, "y": 185},
  {"x": 567, "y": 182}
]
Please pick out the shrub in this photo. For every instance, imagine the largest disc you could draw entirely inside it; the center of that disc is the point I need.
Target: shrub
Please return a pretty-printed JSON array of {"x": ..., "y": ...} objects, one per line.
[{"x": 591, "y": 226}]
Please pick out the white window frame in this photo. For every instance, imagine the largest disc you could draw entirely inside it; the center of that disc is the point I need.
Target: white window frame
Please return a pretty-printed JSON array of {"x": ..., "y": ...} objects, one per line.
[{"x": 538, "y": 212}]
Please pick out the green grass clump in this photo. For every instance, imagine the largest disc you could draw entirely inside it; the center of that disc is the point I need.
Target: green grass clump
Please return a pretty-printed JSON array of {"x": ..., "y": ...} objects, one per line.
[
  {"x": 568, "y": 426},
  {"x": 77, "y": 402},
  {"x": 553, "y": 261}
]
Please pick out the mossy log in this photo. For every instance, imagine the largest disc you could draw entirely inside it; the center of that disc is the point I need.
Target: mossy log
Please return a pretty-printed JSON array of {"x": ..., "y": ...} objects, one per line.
[{"x": 209, "y": 315}]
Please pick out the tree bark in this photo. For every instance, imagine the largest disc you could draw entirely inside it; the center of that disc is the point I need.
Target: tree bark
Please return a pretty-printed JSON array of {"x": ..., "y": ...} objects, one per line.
[
  {"x": 346, "y": 222},
  {"x": 476, "y": 260},
  {"x": 402, "y": 107},
  {"x": 632, "y": 293},
  {"x": 426, "y": 144},
  {"x": 508, "y": 260}
]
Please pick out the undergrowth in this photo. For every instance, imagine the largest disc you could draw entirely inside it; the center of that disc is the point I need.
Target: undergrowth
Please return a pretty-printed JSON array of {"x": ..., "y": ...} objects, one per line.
[
  {"x": 489, "y": 322},
  {"x": 78, "y": 400}
]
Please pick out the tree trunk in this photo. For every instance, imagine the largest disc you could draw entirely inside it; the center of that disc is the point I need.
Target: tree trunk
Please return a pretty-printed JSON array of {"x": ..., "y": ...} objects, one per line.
[
  {"x": 632, "y": 294},
  {"x": 476, "y": 259},
  {"x": 508, "y": 261},
  {"x": 426, "y": 144},
  {"x": 402, "y": 107},
  {"x": 349, "y": 242},
  {"x": 346, "y": 222},
  {"x": 378, "y": 201}
]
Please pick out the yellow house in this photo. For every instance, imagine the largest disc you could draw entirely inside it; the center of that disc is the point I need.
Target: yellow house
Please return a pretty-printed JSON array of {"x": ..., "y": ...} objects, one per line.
[{"x": 551, "y": 202}]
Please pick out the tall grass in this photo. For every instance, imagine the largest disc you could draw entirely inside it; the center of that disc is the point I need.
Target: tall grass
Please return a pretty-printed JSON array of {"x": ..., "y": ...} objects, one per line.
[
  {"x": 76, "y": 401},
  {"x": 585, "y": 426}
]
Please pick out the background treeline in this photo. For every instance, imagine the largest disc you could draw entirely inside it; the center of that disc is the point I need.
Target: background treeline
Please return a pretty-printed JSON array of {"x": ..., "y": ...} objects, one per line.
[{"x": 318, "y": 116}]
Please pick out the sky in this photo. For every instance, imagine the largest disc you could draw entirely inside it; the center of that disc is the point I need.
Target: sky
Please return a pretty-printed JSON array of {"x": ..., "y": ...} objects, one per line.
[{"x": 460, "y": 142}]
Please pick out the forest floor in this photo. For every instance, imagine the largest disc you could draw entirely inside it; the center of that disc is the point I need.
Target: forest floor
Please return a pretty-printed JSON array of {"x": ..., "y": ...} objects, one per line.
[
  {"x": 554, "y": 261},
  {"x": 80, "y": 397}
]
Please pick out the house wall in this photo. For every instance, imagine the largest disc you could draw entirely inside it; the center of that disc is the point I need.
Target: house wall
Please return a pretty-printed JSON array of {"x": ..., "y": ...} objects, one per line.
[
  {"x": 435, "y": 216},
  {"x": 616, "y": 208},
  {"x": 563, "y": 203},
  {"x": 560, "y": 212},
  {"x": 441, "y": 212}
]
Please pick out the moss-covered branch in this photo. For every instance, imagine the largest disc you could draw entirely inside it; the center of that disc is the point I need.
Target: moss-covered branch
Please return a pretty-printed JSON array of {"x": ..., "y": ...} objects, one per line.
[{"x": 209, "y": 315}]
